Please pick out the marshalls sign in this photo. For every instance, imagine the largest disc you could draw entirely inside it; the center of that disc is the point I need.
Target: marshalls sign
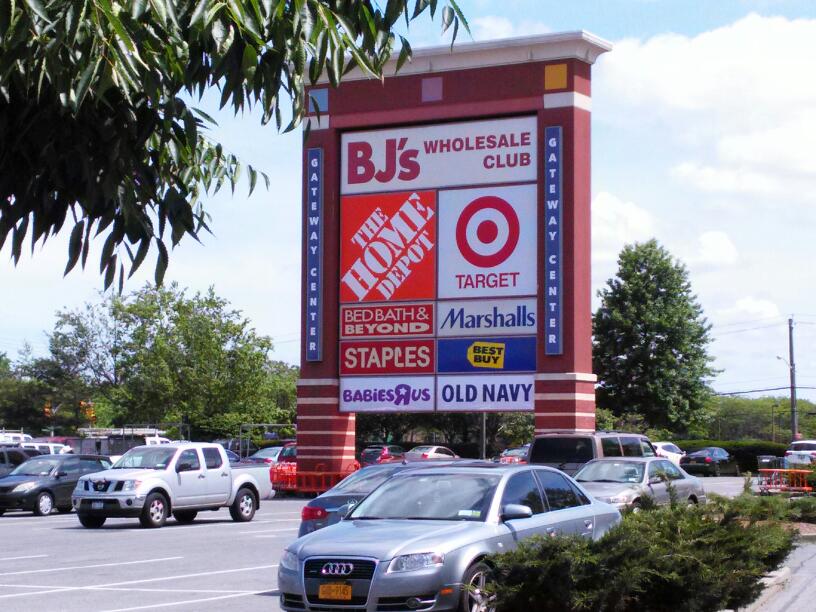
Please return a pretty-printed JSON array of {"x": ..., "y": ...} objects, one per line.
[{"x": 438, "y": 267}]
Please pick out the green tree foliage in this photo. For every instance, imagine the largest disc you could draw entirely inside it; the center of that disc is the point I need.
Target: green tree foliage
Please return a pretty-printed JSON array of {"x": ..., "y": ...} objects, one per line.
[
  {"x": 664, "y": 559},
  {"x": 93, "y": 118},
  {"x": 650, "y": 341},
  {"x": 157, "y": 355},
  {"x": 764, "y": 418}
]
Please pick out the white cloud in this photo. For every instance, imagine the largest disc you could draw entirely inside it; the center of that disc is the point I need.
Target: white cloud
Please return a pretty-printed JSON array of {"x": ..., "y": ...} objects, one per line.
[
  {"x": 715, "y": 248},
  {"x": 747, "y": 309},
  {"x": 492, "y": 27},
  {"x": 736, "y": 97},
  {"x": 615, "y": 223}
]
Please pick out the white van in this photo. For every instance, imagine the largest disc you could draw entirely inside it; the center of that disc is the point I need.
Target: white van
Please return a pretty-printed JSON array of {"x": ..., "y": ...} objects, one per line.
[{"x": 14, "y": 438}]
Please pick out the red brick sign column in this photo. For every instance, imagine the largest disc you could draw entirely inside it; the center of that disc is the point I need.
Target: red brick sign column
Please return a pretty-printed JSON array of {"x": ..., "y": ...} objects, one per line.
[{"x": 446, "y": 251}]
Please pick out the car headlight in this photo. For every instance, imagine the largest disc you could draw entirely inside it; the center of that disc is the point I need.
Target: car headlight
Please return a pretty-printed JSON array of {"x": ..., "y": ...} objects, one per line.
[
  {"x": 24, "y": 488},
  {"x": 131, "y": 485},
  {"x": 289, "y": 560},
  {"x": 80, "y": 486},
  {"x": 410, "y": 563}
]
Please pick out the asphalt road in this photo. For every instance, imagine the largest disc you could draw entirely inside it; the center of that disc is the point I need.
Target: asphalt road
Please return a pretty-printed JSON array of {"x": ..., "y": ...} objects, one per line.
[{"x": 52, "y": 563}]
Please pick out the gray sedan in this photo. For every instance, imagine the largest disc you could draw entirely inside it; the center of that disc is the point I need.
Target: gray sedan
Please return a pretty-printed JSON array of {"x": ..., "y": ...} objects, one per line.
[
  {"x": 418, "y": 541},
  {"x": 625, "y": 481}
]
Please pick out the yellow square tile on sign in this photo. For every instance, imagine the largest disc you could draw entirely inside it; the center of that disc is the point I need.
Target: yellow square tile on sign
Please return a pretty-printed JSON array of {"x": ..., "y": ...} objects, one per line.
[{"x": 555, "y": 77}]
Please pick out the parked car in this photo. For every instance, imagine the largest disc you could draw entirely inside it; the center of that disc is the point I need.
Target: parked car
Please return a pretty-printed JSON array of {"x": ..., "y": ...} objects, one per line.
[
  {"x": 381, "y": 453},
  {"x": 418, "y": 453},
  {"x": 242, "y": 446},
  {"x": 711, "y": 461},
  {"x": 418, "y": 540},
  {"x": 48, "y": 448},
  {"x": 14, "y": 437},
  {"x": 569, "y": 451},
  {"x": 10, "y": 458},
  {"x": 625, "y": 482},
  {"x": 802, "y": 451},
  {"x": 288, "y": 454},
  {"x": 182, "y": 478},
  {"x": 670, "y": 451},
  {"x": 514, "y": 455},
  {"x": 266, "y": 455},
  {"x": 46, "y": 482}
]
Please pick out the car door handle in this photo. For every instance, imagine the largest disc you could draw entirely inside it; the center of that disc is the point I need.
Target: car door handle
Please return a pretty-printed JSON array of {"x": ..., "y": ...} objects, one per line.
[
  {"x": 201, "y": 476},
  {"x": 588, "y": 524},
  {"x": 551, "y": 531},
  {"x": 224, "y": 474}
]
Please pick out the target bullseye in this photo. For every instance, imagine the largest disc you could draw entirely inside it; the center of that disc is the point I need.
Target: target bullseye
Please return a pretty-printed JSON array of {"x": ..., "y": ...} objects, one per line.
[{"x": 487, "y": 231}]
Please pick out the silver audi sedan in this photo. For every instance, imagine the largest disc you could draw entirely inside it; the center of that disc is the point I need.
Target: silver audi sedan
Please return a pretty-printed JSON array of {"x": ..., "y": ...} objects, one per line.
[{"x": 418, "y": 541}]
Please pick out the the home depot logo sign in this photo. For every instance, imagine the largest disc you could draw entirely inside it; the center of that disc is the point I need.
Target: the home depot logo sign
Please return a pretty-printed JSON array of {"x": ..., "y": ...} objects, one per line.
[{"x": 388, "y": 247}]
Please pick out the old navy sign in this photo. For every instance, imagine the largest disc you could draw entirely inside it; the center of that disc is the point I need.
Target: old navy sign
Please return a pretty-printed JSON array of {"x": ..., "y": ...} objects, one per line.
[
  {"x": 553, "y": 266},
  {"x": 314, "y": 255},
  {"x": 448, "y": 154},
  {"x": 497, "y": 317},
  {"x": 505, "y": 392},
  {"x": 487, "y": 355}
]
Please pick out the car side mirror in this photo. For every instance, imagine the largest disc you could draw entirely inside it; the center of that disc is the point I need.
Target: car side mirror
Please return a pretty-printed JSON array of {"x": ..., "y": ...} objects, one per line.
[
  {"x": 61, "y": 474},
  {"x": 184, "y": 466},
  {"x": 655, "y": 480},
  {"x": 516, "y": 511}
]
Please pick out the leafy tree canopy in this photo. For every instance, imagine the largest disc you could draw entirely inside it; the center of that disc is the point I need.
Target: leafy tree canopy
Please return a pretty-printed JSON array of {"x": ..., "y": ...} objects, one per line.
[
  {"x": 95, "y": 132},
  {"x": 650, "y": 341}
]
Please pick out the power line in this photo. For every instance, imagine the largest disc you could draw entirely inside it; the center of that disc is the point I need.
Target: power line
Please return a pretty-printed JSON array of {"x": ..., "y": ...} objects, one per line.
[
  {"x": 787, "y": 388},
  {"x": 740, "y": 331},
  {"x": 737, "y": 324}
]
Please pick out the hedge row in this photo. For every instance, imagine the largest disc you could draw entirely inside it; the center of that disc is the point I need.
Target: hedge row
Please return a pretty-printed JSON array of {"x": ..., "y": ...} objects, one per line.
[
  {"x": 746, "y": 451},
  {"x": 667, "y": 559}
]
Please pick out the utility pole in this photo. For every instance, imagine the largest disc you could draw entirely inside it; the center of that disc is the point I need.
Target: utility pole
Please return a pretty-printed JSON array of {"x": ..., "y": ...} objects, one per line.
[
  {"x": 484, "y": 435},
  {"x": 792, "y": 367}
]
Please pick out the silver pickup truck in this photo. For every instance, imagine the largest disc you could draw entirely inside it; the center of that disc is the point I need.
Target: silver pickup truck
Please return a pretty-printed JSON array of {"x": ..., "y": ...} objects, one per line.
[{"x": 182, "y": 478}]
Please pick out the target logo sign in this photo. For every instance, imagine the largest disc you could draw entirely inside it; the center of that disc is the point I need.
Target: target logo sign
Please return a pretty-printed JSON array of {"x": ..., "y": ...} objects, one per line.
[
  {"x": 487, "y": 242},
  {"x": 487, "y": 232}
]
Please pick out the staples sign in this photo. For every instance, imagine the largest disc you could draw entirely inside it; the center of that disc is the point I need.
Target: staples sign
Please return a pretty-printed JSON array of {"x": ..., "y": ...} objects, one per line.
[{"x": 467, "y": 153}]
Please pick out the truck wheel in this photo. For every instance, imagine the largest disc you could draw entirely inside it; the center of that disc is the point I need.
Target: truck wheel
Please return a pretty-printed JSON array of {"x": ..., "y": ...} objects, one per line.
[
  {"x": 185, "y": 516},
  {"x": 154, "y": 513},
  {"x": 91, "y": 522},
  {"x": 243, "y": 508},
  {"x": 44, "y": 504}
]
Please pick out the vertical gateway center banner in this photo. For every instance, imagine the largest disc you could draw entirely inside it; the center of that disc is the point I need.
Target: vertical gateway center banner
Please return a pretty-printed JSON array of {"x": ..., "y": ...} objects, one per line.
[{"x": 438, "y": 267}]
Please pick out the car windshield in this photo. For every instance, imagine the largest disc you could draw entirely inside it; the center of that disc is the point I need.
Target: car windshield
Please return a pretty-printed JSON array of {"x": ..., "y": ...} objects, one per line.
[
  {"x": 516, "y": 452},
  {"x": 434, "y": 497},
  {"x": 363, "y": 481},
  {"x": 36, "y": 467},
  {"x": 611, "y": 471},
  {"x": 269, "y": 452},
  {"x": 146, "y": 457}
]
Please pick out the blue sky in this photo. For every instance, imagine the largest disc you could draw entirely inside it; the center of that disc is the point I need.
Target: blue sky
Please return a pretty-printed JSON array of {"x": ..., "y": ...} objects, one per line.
[{"x": 704, "y": 116}]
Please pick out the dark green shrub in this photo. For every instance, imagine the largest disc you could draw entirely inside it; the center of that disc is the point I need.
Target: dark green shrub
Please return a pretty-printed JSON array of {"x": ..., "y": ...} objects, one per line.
[
  {"x": 746, "y": 451},
  {"x": 662, "y": 560}
]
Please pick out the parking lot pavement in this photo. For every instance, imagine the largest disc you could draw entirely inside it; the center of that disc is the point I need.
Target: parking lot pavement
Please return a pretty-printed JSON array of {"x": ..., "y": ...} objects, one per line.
[
  {"x": 52, "y": 563},
  {"x": 729, "y": 486}
]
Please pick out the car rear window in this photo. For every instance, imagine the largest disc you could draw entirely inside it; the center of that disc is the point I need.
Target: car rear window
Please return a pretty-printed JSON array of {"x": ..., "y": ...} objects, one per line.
[
  {"x": 803, "y": 446},
  {"x": 563, "y": 449}
]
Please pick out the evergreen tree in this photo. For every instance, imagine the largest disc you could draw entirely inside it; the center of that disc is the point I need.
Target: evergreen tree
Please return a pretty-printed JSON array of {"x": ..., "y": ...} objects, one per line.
[{"x": 650, "y": 341}]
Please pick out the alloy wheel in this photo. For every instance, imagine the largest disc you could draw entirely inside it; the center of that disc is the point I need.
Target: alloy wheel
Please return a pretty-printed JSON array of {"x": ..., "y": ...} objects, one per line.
[
  {"x": 478, "y": 599},
  {"x": 157, "y": 510},
  {"x": 45, "y": 504},
  {"x": 247, "y": 504}
]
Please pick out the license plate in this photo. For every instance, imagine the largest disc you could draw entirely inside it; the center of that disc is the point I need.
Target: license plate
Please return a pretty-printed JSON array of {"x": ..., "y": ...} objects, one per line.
[
  {"x": 97, "y": 505},
  {"x": 335, "y": 591}
]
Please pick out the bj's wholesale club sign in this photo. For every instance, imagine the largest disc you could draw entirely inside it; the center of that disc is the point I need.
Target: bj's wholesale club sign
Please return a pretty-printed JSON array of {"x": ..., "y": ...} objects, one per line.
[{"x": 439, "y": 272}]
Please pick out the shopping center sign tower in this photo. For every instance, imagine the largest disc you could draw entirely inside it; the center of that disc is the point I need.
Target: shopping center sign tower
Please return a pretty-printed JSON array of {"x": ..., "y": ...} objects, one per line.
[{"x": 446, "y": 241}]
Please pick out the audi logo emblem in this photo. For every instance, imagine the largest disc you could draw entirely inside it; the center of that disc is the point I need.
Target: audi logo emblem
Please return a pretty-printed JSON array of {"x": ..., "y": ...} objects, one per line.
[{"x": 337, "y": 569}]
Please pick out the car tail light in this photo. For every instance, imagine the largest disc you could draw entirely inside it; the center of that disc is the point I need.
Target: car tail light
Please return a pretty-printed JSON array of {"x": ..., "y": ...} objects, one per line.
[
  {"x": 708, "y": 459},
  {"x": 312, "y": 514},
  {"x": 424, "y": 455},
  {"x": 788, "y": 453}
]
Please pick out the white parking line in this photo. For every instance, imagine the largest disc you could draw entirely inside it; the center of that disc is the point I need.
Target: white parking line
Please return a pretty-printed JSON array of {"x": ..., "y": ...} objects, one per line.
[
  {"x": 78, "y": 567},
  {"x": 52, "y": 589},
  {"x": 267, "y": 531},
  {"x": 124, "y": 589},
  {"x": 182, "y": 603},
  {"x": 26, "y": 557}
]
